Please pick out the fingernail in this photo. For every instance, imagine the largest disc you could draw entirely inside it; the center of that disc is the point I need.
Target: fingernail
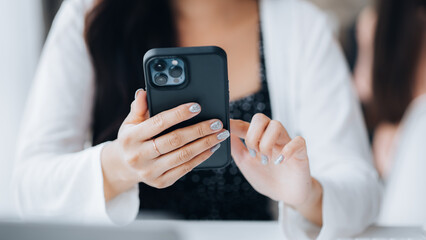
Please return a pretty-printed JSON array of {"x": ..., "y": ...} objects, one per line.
[
  {"x": 137, "y": 92},
  {"x": 252, "y": 152},
  {"x": 279, "y": 159},
  {"x": 195, "y": 108},
  {"x": 217, "y": 125},
  {"x": 223, "y": 135},
  {"x": 264, "y": 159},
  {"x": 215, "y": 148}
]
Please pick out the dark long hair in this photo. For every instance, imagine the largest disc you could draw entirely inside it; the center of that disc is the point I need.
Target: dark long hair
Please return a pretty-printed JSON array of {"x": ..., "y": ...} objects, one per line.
[
  {"x": 117, "y": 34},
  {"x": 399, "y": 40}
]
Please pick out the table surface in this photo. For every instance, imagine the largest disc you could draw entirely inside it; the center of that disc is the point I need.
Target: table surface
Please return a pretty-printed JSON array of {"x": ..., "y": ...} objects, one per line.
[
  {"x": 185, "y": 230},
  {"x": 248, "y": 230}
]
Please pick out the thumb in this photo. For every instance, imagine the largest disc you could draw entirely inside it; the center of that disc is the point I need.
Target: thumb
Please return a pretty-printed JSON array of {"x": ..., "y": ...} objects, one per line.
[
  {"x": 139, "y": 109},
  {"x": 238, "y": 149},
  {"x": 239, "y": 128}
]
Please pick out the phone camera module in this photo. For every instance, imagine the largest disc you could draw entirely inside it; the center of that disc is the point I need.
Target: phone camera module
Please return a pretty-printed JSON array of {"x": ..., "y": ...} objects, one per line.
[
  {"x": 160, "y": 65},
  {"x": 167, "y": 72},
  {"x": 160, "y": 79},
  {"x": 175, "y": 71}
]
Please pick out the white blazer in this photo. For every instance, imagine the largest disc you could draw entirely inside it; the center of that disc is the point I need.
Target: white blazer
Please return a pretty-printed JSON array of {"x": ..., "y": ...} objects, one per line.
[{"x": 58, "y": 173}]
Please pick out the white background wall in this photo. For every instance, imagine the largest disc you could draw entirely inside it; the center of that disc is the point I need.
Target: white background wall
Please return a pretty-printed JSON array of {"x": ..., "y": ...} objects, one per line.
[{"x": 20, "y": 43}]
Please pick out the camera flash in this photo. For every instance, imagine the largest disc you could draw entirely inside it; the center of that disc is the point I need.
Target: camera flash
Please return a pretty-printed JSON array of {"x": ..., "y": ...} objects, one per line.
[{"x": 174, "y": 62}]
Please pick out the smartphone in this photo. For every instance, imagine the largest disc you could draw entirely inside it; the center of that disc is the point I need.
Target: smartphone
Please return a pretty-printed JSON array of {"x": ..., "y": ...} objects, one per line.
[{"x": 174, "y": 76}]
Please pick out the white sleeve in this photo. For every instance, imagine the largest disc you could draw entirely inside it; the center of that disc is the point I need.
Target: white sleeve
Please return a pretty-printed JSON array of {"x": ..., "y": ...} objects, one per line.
[
  {"x": 329, "y": 118},
  {"x": 56, "y": 174}
]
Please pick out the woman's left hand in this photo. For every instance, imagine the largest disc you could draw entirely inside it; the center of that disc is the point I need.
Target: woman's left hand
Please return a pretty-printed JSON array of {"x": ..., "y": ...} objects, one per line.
[{"x": 276, "y": 165}]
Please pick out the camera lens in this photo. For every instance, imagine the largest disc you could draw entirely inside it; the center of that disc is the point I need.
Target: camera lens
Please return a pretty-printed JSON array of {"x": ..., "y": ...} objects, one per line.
[
  {"x": 175, "y": 71},
  {"x": 159, "y": 66},
  {"x": 160, "y": 79}
]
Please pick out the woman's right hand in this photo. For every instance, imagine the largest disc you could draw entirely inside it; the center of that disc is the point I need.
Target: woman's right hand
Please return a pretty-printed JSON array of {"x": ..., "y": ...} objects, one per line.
[{"x": 135, "y": 156}]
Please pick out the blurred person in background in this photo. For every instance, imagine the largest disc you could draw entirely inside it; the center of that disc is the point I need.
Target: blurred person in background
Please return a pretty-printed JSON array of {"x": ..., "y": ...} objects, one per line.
[
  {"x": 78, "y": 139},
  {"x": 390, "y": 77},
  {"x": 342, "y": 14}
]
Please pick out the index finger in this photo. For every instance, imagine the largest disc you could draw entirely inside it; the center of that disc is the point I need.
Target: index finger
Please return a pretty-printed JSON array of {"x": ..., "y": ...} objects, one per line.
[
  {"x": 164, "y": 120},
  {"x": 239, "y": 128}
]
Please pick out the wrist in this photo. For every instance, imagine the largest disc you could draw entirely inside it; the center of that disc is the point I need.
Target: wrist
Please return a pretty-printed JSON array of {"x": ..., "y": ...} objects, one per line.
[
  {"x": 116, "y": 176},
  {"x": 311, "y": 208}
]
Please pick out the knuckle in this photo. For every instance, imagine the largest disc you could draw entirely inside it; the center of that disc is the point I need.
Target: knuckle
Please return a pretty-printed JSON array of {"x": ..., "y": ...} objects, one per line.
[
  {"x": 276, "y": 124},
  {"x": 200, "y": 130},
  {"x": 175, "y": 161},
  {"x": 208, "y": 142},
  {"x": 132, "y": 160},
  {"x": 158, "y": 120},
  {"x": 260, "y": 117},
  {"x": 186, "y": 168},
  {"x": 179, "y": 114},
  {"x": 185, "y": 154},
  {"x": 126, "y": 140},
  {"x": 138, "y": 157},
  {"x": 175, "y": 139}
]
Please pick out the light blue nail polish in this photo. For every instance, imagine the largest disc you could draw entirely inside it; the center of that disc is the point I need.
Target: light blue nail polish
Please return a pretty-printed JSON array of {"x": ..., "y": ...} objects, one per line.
[
  {"x": 223, "y": 135},
  {"x": 195, "y": 108},
  {"x": 264, "y": 159},
  {"x": 279, "y": 160},
  {"x": 137, "y": 92},
  {"x": 216, "y": 125},
  {"x": 252, "y": 152},
  {"x": 215, "y": 148}
]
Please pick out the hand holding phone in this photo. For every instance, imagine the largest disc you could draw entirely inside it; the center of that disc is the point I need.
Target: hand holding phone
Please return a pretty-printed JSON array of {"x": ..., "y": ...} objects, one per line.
[
  {"x": 139, "y": 155},
  {"x": 188, "y": 102}
]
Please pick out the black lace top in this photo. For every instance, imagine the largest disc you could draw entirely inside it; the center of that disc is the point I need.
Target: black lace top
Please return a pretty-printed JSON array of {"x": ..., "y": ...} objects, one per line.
[{"x": 222, "y": 194}]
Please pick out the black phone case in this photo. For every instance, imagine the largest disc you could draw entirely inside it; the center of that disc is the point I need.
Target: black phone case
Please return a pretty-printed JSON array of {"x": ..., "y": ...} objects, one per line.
[{"x": 207, "y": 84}]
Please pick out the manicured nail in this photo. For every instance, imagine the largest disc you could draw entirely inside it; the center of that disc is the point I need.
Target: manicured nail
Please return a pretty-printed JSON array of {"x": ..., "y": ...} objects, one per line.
[
  {"x": 195, "y": 108},
  {"x": 279, "y": 159},
  {"x": 223, "y": 135},
  {"x": 215, "y": 148},
  {"x": 217, "y": 125},
  {"x": 252, "y": 152},
  {"x": 264, "y": 159},
  {"x": 137, "y": 92}
]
